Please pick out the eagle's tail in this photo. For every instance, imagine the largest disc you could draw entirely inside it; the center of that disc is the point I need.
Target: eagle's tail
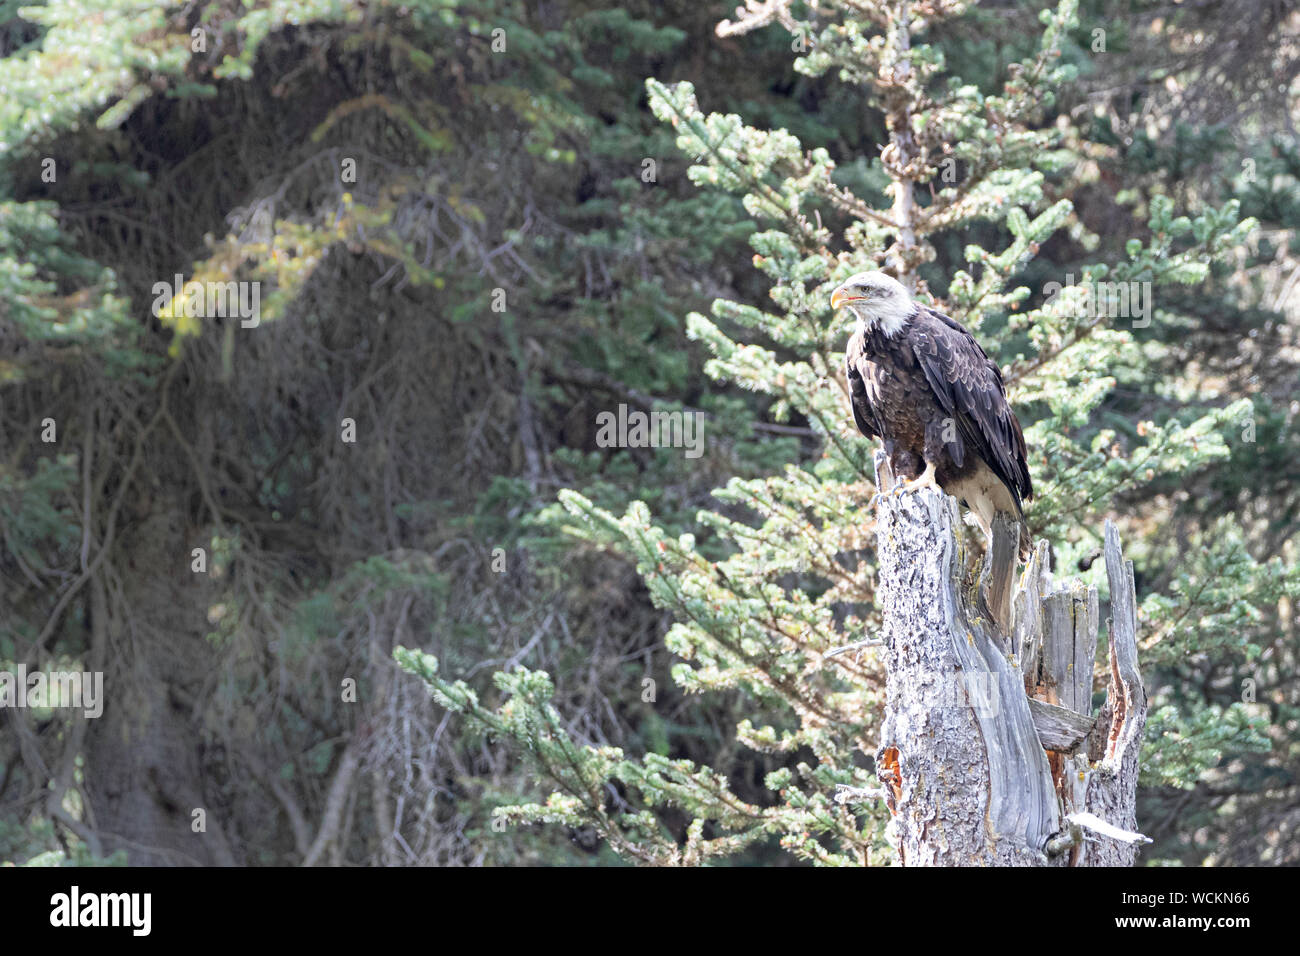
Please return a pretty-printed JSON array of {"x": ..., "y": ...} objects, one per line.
[
  {"x": 1000, "y": 516},
  {"x": 987, "y": 502}
]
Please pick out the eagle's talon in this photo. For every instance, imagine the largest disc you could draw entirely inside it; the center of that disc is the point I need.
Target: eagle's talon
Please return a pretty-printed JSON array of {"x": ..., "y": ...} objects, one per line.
[{"x": 924, "y": 480}]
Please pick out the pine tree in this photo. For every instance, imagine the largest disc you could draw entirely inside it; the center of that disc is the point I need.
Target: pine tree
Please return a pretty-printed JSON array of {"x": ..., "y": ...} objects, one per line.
[
  {"x": 796, "y": 582},
  {"x": 492, "y": 145}
]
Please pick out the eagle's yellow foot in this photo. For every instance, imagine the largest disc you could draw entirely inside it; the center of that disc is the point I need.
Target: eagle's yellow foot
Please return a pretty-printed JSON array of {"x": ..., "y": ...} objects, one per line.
[{"x": 924, "y": 480}]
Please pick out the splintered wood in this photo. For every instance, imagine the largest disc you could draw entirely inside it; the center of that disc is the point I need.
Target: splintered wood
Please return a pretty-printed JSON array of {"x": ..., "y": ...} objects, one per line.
[{"x": 989, "y": 723}]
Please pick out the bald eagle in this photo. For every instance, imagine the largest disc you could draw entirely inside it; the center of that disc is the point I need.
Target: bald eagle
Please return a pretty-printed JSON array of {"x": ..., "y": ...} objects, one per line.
[{"x": 920, "y": 381}]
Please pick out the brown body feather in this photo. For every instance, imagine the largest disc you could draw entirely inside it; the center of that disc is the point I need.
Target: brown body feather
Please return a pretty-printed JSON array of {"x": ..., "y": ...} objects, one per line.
[{"x": 932, "y": 395}]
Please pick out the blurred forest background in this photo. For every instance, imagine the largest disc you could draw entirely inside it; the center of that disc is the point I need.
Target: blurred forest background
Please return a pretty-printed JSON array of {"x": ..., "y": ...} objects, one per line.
[{"x": 476, "y": 227}]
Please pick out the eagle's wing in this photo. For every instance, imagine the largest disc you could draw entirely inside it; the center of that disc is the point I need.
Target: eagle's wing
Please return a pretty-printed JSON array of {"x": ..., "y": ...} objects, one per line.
[
  {"x": 969, "y": 386},
  {"x": 863, "y": 414}
]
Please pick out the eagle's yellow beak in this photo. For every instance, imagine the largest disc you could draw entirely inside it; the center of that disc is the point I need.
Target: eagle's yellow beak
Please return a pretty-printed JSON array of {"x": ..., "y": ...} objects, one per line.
[{"x": 839, "y": 296}]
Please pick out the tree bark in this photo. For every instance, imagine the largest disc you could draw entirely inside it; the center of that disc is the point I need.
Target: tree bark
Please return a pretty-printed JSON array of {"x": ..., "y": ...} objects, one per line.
[{"x": 984, "y": 749}]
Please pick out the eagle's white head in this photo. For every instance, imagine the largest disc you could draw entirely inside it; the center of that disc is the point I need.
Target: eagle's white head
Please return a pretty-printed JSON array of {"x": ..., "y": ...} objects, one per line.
[{"x": 877, "y": 300}]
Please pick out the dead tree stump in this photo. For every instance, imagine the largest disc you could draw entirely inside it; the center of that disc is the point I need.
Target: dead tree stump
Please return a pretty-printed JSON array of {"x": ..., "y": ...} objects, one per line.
[{"x": 990, "y": 753}]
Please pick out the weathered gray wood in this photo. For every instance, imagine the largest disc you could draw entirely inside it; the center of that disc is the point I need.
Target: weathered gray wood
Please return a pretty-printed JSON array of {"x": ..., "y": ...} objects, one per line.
[
  {"x": 1027, "y": 643},
  {"x": 965, "y": 776},
  {"x": 1058, "y": 728},
  {"x": 970, "y": 717},
  {"x": 999, "y": 578},
  {"x": 1069, "y": 646},
  {"x": 1111, "y": 788}
]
